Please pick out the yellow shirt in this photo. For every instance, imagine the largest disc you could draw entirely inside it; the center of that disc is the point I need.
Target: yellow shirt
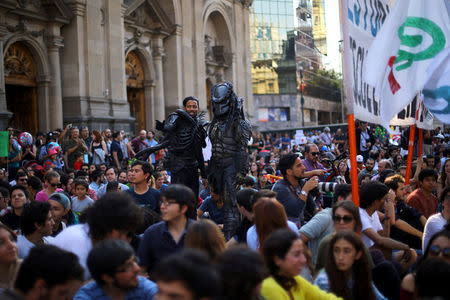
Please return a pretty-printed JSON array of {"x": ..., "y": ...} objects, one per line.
[{"x": 304, "y": 290}]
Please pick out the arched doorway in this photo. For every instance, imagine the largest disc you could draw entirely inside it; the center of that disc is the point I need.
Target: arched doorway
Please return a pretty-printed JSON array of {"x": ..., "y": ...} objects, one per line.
[
  {"x": 135, "y": 89},
  {"x": 20, "y": 87}
]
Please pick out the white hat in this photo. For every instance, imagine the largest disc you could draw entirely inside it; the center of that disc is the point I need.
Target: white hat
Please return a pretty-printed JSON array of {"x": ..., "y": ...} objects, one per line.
[
  {"x": 359, "y": 158},
  {"x": 326, "y": 128}
]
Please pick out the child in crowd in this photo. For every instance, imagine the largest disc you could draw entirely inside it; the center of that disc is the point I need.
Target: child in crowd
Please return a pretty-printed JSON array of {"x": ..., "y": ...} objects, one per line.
[{"x": 81, "y": 201}]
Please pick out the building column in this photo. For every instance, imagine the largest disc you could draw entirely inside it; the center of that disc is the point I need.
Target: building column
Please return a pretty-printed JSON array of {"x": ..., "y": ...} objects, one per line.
[
  {"x": 150, "y": 120},
  {"x": 5, "y": 115},
  {"x": 43, "y": 84},
  {"x": 158, "y": 54},
  {"x": 173, "y": 70},
  {"x": 54, "y": 42}
]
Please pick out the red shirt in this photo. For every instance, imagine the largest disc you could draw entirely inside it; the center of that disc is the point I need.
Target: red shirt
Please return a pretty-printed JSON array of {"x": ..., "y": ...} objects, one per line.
[{"x": 427, "y": 206}]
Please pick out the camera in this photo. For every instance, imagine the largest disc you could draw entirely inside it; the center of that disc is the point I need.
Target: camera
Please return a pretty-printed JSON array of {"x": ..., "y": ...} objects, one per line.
[
  {"x": 326, "y": 187},
  {"x": 323, "y": 188}
]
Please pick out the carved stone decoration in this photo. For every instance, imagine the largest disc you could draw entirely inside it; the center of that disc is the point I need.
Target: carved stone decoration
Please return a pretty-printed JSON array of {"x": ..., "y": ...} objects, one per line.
[
  {"x": 134, "y": 71},
  {"x": 20, "y": 67},
  {"x": 22, "y": 27},
  {"x": 25, "y": 3},
  {"x": 209, "y": 55}
]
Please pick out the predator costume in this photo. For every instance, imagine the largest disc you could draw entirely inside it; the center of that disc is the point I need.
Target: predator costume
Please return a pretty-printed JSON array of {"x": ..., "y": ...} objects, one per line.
[
  {"x": 229, "y": 133},
  {"x": 184, "y": 138}
]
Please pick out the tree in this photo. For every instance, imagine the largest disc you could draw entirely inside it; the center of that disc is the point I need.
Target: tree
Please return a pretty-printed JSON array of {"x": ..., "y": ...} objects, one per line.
[{"x": 324, "y": 84}]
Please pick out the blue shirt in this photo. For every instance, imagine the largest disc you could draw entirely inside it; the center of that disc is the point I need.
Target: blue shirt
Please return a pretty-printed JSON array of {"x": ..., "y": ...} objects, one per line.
[
  {"x": 210, "y": 206},
  {"x": 150, "y": 198},
  {"x": 158, "y": 243},
  {"x": 146, "y": 289}
]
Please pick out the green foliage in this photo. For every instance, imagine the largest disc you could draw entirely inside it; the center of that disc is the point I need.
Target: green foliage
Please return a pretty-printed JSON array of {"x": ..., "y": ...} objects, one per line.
[{"x": 324, "y": 84}]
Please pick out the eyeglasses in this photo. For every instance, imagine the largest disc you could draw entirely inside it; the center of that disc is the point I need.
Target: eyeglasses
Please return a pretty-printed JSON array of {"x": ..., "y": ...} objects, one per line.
[
  {"x": 314, "y": 153},
  {"x": 167, "y": 203},
  {"x": 346, "y": 219},
  {"x": 435, "y": 250}
]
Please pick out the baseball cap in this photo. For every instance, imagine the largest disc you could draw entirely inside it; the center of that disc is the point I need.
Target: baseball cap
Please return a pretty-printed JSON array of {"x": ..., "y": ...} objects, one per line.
[
  {"x": 359, "y": 159},
  {"x": 61, "y": 198}
]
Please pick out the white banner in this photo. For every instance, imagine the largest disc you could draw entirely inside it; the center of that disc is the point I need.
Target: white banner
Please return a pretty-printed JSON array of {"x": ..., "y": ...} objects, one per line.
[
  {"x": 361, "y": 22},
  {"x": 407, "y": 116},
  {"x": 414, "y": 33}
]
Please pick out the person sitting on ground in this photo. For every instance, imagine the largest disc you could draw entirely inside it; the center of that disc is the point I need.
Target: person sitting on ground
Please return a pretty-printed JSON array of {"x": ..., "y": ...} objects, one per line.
[
  {"x": 294, "y": 193},
  {"x": 61, "y": 212},
  {"x": 284, "y": 254},
  {"x": 112, "y": 175},
  {"x": 187, "y": 275},
  {"x": 206, "y": 236},
  {"x": 436, "y": 222},
  {"x": 116, "y": 274},
  {"x": 47, "y": 273},
  {"x": 347, "y": 272},
  {"x": 438, "y": 247},
  {"x": 345, "y": 216},
  {"x": 213, "y": 204},
  {"x": 36, "y": 225},
  {"x": 142, "y": 193},
  {"x": 244, "y": 204},
  {"x": 97, "y": 177},
  {"x": 268, "y": 216},
  {"x": 375, "y": 196},
  {"x": 52, "y": 185},
  {"x": 409, "y": 222},
  {"x": 167, "y": 237},
  {"x": 9, "y": 259},
  {"x": 19, "y": 196},
  {"x": 422, "y": 198},
  {"x": 81, "y": 201},
  {"x": 114, "y": 216},
  {"x": 242, "y": 271},
  {"x": 322, "y": 223}
]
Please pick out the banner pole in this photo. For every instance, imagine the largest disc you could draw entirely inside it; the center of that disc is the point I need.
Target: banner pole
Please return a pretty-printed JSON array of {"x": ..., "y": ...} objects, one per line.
[
  {"x": 353, "y": 166},
  {"x": 410, "y": 153},
  {"x": 420, "y": 142}
]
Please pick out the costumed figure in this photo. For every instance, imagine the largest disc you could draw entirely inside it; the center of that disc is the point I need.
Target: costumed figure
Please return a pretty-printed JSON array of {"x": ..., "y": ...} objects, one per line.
[
  {"x": 229, "y": 133},
  {"x": 184, "y": 138}
]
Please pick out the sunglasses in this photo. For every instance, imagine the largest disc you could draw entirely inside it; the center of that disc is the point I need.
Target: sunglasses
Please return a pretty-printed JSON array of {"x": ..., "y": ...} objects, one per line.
[
  {"x": 435, "y": 250},
  {"x": 346, "y": 219},
  {"x": 314, "y": 153},
  {"x": 55, "y": 184}
]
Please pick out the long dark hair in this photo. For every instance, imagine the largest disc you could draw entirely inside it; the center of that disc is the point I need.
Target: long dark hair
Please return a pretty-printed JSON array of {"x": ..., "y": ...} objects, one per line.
[
  {"x": 278, "y": 244},
  {"x": 361, "y": 273}
]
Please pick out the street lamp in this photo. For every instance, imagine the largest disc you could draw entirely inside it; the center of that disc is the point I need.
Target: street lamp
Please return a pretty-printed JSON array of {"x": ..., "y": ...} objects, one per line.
[{"x": 302, "y": 100}]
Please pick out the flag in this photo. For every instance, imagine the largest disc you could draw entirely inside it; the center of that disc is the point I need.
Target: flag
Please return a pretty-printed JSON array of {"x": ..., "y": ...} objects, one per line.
[
  {"x": 436, "y": 92},
  {"x": 414, "y": 33},
  {"x": 4, "y": 143}
]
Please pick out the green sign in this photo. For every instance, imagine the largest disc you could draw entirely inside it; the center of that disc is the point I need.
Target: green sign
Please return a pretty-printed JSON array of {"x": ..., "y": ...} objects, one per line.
[{"x": 4, "y": 143}]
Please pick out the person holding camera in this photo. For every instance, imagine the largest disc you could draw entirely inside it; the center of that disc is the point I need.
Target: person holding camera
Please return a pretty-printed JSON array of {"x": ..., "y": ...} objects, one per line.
[
  {"x": 293, "y": 191},
  {"x": 75, "y": 147}
]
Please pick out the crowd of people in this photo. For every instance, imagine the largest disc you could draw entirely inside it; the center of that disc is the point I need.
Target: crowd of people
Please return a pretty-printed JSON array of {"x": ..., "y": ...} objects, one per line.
[{"x": 82, "y": 218}]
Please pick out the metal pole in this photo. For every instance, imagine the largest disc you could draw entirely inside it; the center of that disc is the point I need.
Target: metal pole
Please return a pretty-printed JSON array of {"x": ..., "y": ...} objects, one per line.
[{"x": 302, "y": 100}]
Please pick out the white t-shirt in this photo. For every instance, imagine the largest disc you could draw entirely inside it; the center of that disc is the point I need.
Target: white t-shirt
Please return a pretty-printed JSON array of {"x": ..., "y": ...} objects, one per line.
[
  {"x": 24, "y": 245},
  {"x": 368, "y": 222},
  {"x": 435, "y": 223},
  {"x": 252, "y": 236},
  {"x": 76, "y": 240}
]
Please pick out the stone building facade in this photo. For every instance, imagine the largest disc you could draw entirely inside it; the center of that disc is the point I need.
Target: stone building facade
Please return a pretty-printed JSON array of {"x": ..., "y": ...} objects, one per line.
[{"x": 119, "y": 64}]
